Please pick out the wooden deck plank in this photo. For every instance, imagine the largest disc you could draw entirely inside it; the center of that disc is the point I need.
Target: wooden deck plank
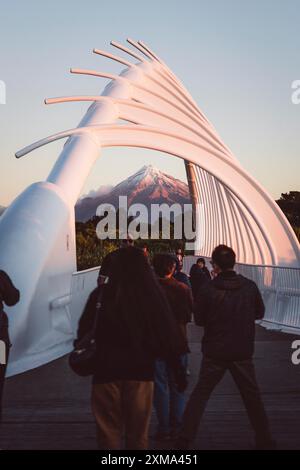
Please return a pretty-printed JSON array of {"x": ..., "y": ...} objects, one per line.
[{"x": 48, "y": 408}]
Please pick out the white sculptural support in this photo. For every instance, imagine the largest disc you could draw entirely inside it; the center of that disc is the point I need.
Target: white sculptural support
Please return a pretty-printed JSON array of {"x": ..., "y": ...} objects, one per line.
[{"x": 37, "y": 232}]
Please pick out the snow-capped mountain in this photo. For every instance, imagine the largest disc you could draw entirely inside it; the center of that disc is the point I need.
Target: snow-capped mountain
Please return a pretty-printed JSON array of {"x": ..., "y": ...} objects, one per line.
[{"x": 147, "y": 186}]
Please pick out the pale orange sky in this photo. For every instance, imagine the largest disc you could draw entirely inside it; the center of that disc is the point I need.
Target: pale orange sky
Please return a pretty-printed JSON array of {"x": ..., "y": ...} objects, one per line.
[{"x": 237, "y": 58}]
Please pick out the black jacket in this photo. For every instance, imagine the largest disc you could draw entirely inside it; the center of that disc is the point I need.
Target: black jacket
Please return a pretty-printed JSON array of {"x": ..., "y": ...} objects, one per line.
[
  {"x": 9, "y": 295},
  {"x": 227, "y": 308},
  {"x": 199, "y": 277},
  {"x": 124, "y": 354}
]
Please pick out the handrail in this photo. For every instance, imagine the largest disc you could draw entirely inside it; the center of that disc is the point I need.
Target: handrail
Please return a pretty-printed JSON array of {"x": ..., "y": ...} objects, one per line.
[
  {"x": 77, "y": 273},
  {"x": 252, "y": 265},
  {"x": 280, "y": 289}
]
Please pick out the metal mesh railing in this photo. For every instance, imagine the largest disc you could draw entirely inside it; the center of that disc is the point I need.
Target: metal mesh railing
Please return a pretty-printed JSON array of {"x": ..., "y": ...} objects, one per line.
[{"x": 280, "y": 288}]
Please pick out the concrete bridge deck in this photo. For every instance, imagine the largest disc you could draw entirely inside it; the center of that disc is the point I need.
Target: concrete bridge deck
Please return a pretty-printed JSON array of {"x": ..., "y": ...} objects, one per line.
[{"x": 48, "y": 408}]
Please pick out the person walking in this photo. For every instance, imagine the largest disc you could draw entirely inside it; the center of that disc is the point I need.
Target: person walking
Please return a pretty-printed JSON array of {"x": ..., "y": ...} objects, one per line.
[
  {"x": 9, "y": 295},
  {"x": 135, "y": 327},
  {"x": 199, "y": 276},
  {"x": 227, "y": 309},
  {"x": 180, "y": 276},
  {"x": 168, "y": 400}
]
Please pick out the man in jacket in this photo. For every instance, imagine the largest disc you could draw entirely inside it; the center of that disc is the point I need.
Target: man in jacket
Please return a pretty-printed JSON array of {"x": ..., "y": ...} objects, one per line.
[
  {"x": 10, "y": 296},
  {"x": 227, "y": 309},
  {"x": 180, "y": 276},
  {"x": 168, "y": 401}
]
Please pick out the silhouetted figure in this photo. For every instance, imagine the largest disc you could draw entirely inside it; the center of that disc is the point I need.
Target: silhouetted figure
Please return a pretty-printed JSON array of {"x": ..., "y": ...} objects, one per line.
[
  {"x": 9, "y": 295},
  {"x": 180, "y": 276},
  {"x": 199, "y": 276},
  {"x": 168, "y": 401},
  {"x": 227, "y": 308},
  {"x": 108, "y": 260},
  {"x": 135, "y": 327}
]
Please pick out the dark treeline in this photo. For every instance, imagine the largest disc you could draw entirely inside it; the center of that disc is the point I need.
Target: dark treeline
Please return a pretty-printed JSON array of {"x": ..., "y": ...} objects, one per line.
[
  {"x": 91, "y": 250},
  {"x": 289, "y": 203}
]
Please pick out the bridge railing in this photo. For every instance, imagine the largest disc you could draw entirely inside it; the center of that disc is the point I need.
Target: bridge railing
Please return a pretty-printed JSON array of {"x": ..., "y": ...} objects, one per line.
[
  {"x": 83, "y": 283},
  {"x": 280, "y": 288}
]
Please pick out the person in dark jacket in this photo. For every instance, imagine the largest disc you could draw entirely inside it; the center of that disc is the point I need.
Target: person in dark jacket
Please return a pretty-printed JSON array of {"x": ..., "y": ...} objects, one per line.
[
  {"x": 9, "y": 295},
  {"x": 199, "y": 276},
  {"x": 168, "y": 401},
  {"x": 227, "y": 309},
  {"x": 135, "y": 327},
  {"x": 180, "y": 276}
]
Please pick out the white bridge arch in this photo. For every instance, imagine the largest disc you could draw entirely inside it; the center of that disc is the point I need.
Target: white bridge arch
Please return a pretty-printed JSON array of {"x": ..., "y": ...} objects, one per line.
[{"x": 37, "y": 240}]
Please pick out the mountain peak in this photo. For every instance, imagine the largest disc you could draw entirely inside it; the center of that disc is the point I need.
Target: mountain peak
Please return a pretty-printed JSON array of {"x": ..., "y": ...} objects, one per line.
[
  {"x": 148, "y": 170},
  {"x": 147, "y": 186}
]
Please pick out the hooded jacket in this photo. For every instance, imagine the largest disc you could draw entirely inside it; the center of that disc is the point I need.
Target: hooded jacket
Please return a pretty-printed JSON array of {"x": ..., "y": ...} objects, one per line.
[{"x": 227, "y": 309}]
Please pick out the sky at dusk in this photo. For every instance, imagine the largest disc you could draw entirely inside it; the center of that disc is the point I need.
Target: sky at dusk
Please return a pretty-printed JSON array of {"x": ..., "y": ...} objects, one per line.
[{"x": 237, "y": 58}]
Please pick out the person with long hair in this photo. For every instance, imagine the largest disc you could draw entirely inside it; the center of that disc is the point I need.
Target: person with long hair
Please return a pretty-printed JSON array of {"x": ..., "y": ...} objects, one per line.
[{"x": 135, "y": 327}]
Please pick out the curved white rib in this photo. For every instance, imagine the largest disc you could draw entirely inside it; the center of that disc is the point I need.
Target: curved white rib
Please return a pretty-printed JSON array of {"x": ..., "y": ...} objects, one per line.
[
  {"x": 37, "y": 234},
  {"x": 140, "y": 113}
]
